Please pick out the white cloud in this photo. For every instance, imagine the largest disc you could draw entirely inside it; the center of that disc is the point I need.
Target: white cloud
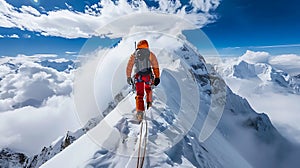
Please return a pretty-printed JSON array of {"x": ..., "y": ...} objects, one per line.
[
  {"x": 70, "y": 52},
  {"x": 38, "y": 56},
  {"x": 169, "y": 6},
  {"x": 32, "y": 85},
  {"x": 10, "y": 36},
  {"x": 277, "y": 46},
  {"x": 14, "y": 36},
  {"x": 72, "y": 24},
  {"x": 204, "y": 5},
  {"x": 30, "y": 10},
  {"x": 283, "y": 111},
  {"x": 59, "y": 60},
  {"x": 289, "y": 63},
  {"x": 29, "y": 129},
  {"x": 36, "y": 105},
  {"x": 265, "y": 47},
  {"x": 255, "y": 57}
]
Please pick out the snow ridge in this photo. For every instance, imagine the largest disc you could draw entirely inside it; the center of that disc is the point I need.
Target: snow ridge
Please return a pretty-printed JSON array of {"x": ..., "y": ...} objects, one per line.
[{"x": 187, "y": 152}]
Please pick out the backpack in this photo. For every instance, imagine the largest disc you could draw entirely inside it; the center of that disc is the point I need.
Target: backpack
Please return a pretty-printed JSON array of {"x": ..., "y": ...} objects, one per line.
[{"x": 142, "y": 61}]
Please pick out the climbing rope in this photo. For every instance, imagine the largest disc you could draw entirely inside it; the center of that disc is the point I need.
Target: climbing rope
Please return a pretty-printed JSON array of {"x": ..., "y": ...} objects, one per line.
[{"x": 141, "y": 155}]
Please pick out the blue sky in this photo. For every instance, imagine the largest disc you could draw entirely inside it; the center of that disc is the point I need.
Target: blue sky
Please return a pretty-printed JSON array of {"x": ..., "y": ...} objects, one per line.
[
  {"x": 259, "y": 25},
  {"x": 254, "y": 24}
]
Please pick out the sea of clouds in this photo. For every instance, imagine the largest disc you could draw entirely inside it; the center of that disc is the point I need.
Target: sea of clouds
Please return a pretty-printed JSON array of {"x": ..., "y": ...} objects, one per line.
[{"x": 36, "y": 105}]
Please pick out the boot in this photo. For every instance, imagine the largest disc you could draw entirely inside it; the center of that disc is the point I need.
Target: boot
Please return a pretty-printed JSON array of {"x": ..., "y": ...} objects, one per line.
[
  {"x": 139, "y": 115},
  {"x": 149, "y": 104}
]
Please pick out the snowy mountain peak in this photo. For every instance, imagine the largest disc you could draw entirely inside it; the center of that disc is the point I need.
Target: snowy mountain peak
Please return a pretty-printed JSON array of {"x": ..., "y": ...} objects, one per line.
[
  {"x": 265, "y": 74},
  {"x": 246, "y": 70}
]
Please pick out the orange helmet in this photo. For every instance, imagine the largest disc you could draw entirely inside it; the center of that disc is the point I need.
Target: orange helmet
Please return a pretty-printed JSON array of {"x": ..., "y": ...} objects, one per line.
[{"x": 143, "y": 44}]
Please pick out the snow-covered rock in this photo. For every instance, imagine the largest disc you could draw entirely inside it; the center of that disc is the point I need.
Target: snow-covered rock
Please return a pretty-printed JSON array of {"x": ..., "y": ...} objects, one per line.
[{"x": 11, "y": 159}]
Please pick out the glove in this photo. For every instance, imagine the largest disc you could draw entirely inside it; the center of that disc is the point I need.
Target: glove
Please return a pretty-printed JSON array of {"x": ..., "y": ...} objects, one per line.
[
  {"x": 156, "y": 81},
  {"x": 129, "y": 81}
]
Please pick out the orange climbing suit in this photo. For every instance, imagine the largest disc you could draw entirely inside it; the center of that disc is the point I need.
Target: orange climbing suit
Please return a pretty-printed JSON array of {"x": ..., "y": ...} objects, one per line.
[{"x": 143, "y": 82}]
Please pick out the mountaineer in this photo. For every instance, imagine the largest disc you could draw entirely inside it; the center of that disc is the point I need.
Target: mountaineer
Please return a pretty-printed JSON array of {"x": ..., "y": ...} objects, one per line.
[{"x": 146, "y": 65}]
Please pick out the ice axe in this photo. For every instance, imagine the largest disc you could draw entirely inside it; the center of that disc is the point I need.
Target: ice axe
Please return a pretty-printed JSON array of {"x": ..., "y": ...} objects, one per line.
[{"x": 132, "y": 84}]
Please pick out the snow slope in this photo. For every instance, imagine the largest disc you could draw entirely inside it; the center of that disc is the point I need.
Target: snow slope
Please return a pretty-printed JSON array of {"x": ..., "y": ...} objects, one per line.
[
  {"x": 118, "y": 154},
  {"x": 176, "y": 122}
]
